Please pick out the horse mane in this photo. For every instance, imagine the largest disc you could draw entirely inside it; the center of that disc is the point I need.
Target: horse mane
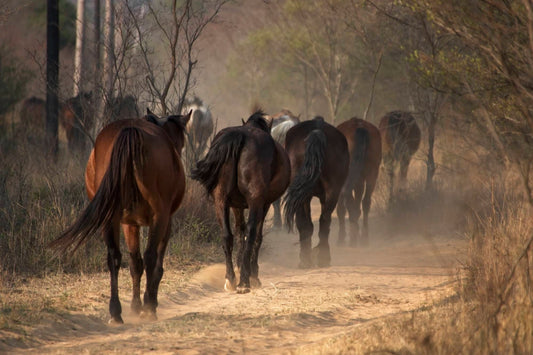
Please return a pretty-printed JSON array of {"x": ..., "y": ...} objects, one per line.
[
  {"x": 257, "y": 119},
  {"x": 280, "y": 131}
]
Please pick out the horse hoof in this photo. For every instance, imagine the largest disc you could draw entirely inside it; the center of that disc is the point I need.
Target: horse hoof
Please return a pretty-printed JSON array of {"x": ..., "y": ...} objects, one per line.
[
  {"x": 148, "y": 315},
  {"x": 242, "y": 290},
  {"x": 116, "y": 321},
  {"x": 229, "y": 286},
  {"x": 254, "y": 282}
]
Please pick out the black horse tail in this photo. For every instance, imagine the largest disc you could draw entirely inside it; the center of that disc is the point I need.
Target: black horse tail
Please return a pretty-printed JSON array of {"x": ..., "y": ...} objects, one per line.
[
  {"x": 301, "y": 188},
  {"x": 223, "y": 149},
  {"x": 362, "y": 138},
  {"x": 117, "y": 191}
]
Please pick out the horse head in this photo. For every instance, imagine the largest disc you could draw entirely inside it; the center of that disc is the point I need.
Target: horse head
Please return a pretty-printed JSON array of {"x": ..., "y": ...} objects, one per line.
[
  {"x": 173, "y": 125},
  {"x": 258, "y": 120}
]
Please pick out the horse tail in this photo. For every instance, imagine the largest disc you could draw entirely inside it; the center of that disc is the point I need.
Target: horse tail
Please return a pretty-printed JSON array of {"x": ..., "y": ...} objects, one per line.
[
  {"x": 223, "y": 149},
  {"x": 362, "y": 138},
  {"x": 118, "y": 191},
  {"x": 301, "y": 188}
]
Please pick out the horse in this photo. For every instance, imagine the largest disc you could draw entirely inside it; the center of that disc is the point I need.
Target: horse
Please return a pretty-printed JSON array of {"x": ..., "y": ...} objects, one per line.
[
  {"x": 134, "y": 178},
  {"x": 200, "y": 127},
  {"x": 364, "y": 145},
  {"x": 283, "y": 116},
  {"x": 244, "y": 168},
  {"x": 76, "y": 117},
  {"x": 400, "y": 136},
  {"x": 279, "y": 132},
  {"x": 319, "y": 158},
  {"x": 33, "y": 119}
]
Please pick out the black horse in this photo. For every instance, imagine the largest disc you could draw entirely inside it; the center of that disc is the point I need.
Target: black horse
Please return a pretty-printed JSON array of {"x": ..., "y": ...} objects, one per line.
[{"x": 244, "y": 168}]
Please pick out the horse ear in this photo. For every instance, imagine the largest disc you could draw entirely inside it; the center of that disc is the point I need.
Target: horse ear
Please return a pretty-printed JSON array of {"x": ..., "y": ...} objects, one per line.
[
  {"x": 243, "y": 123},
  {"x": 185, "y": 119},
  {"x": 270, "y": 122},
  {"x": 148, "y": 112}
]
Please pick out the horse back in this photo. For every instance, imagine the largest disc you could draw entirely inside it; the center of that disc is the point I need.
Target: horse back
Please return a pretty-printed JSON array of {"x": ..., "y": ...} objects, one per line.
[
  {"x": 373, "y": 151},
  {"x": 336, "y": 156},
  {"x": 161, "y": 178}
]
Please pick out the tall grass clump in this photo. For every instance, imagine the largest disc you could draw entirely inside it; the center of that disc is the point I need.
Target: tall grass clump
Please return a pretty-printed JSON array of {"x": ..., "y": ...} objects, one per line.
[{"x": 40, "y": 198}]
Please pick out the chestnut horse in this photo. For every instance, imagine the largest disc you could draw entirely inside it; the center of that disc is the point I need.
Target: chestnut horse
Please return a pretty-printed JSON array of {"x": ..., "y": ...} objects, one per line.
[
  {"x": 134, "y": 177},
  {"x": 400, "y": 137},
  {"x": 244, "y": 168},
  {"x": 364, "y": 145},
  {"x": 319, "y": 158}
]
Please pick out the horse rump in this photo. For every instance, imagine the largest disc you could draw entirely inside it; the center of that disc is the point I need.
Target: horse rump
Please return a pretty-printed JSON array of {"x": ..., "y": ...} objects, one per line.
[
  {"x": 225, "y": 147},
  {"x": 117, "y": 191},
  {"x": 301, "y": 188}
]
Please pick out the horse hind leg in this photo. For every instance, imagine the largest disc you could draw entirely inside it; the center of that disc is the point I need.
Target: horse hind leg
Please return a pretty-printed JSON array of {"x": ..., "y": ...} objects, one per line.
[
  {"x": 323, "y": 255},
  {"x": 341, "y": 214},
  {"x": 131, "y": 234},
  {"x": 354, "y": 208},
  {"x": 305, "y": 229},
  {"x": 277, "y": 213},
  {"x": 254, "y": 221},
  {"x": 240, "y": 230},
  {"x": 153, "y": 262},
  {"x": 254, "y": 263},
  {"x": 222, "y": 212},
  {"x": 367, "y": 201},
  {"x": 114, "y": 258}
]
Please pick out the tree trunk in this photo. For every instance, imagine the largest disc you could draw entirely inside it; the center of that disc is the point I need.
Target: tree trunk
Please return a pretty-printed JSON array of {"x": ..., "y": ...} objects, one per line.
[
  {"x": 52, "y": 76},
  {"x": 80, "y": 71},
  {"x": 430, "y": 164},
  {"x": 109, "y": 54}
]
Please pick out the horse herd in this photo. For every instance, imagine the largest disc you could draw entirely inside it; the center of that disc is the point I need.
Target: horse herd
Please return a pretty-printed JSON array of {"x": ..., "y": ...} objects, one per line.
[{"x": 135, "y": 177}]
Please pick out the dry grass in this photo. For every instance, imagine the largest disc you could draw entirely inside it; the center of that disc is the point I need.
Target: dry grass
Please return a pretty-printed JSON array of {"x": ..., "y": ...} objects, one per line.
[{"x": 491, "y": 312}]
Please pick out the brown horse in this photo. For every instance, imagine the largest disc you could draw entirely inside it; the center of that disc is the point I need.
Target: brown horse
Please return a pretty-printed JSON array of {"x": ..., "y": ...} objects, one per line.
[
  {"x": 76, "y": 117},
  {"x": 134, "y": 177},
  {"x": 364, "y": 145},
  {"x": 33, "y": 119},
  {"x": 400, "y": 137},
  {"x": 319, "y": 161},
  {"x": 244, "y": 168}
]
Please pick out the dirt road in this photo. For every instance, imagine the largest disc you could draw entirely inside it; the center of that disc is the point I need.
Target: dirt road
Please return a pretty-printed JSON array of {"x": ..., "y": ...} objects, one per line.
[{"x": 293, "y": 309}]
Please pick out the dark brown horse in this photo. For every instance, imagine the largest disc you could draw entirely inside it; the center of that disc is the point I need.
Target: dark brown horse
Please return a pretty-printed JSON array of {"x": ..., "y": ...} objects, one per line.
[
  {"x": 319, "y": 163},
  {"x": 134, "y": 177},
  {"x": 364, "y": 145},
  {"x": 400, "y": 137},
  {"x": 77, "y": 119},
  {"x": 33, "y": 119},
  {"x": 244, "y": 168}
]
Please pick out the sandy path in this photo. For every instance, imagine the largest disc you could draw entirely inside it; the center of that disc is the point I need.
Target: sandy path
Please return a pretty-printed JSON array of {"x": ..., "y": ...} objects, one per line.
[{"x": 294, "y": 307}]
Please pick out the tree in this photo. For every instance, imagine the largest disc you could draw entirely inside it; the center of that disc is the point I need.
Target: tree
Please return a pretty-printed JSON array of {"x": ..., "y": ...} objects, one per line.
[
  {"x": 52, "y": 76},
  {"x": 168, "y": 70},
  {"x": 80, "y": 74},
  {"x": 492, "y": 68}
]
